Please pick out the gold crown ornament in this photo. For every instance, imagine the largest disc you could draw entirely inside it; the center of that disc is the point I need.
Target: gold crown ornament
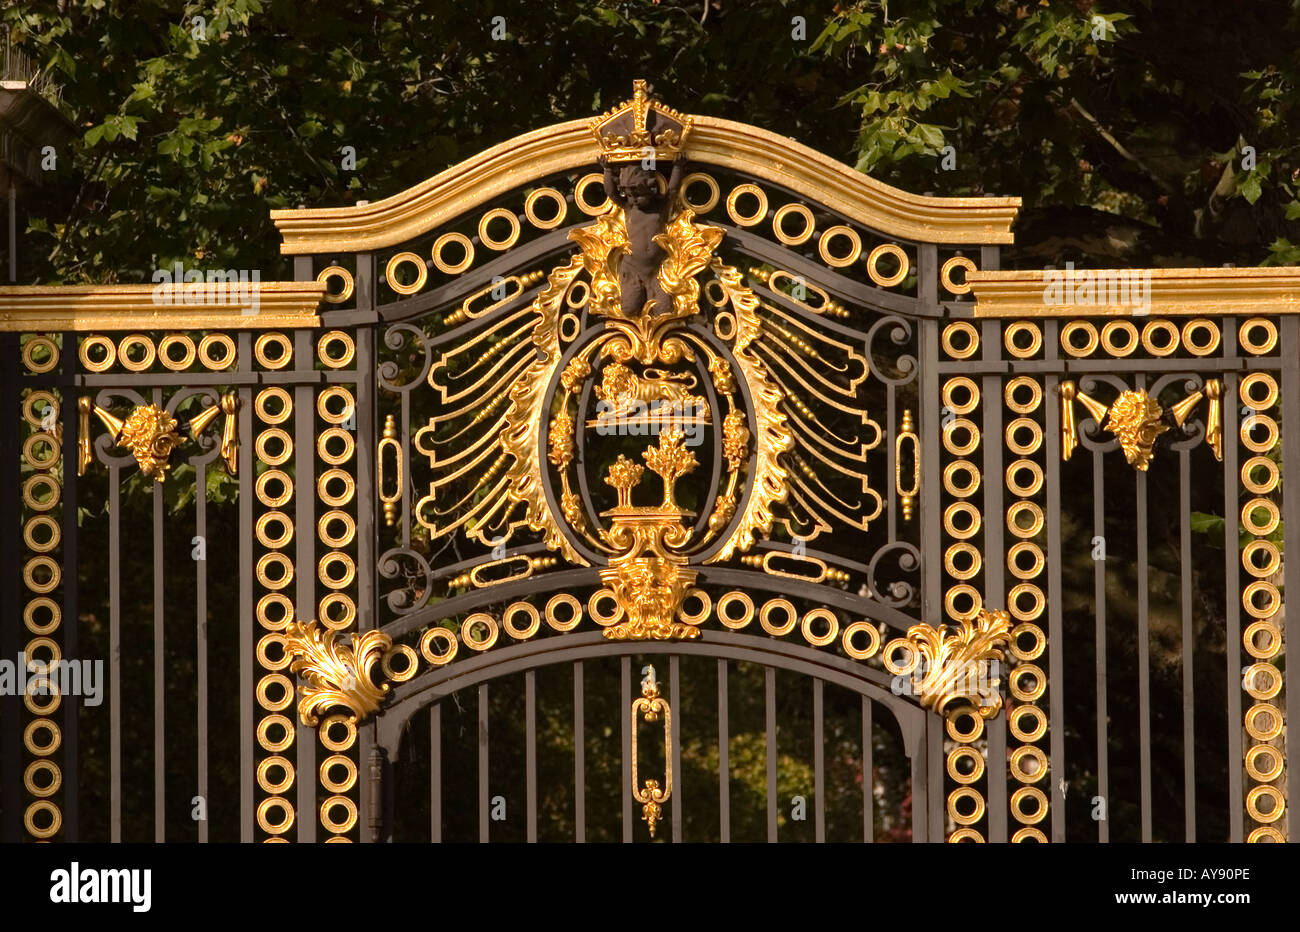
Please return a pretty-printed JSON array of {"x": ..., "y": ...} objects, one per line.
[{"x": 630, "y": 130}]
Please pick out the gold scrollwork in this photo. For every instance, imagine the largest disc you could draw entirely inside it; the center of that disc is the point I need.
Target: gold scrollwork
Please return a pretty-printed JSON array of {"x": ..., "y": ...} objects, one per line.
[
  {"x": 651, "y": 795},
  {"x": 337, "y": 674}
]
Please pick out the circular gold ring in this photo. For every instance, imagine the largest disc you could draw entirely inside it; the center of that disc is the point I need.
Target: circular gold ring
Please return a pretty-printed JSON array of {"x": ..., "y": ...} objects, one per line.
[
  {"x": 344, "y": 356},
  {"x": 35, "y": 442},
  {"x": 534, "y": 620},
  {"x": 1248, "y": 516},
  {"x": 575, "y": 612},
  {"x": 1129, "y": 335},
  {"x": 332, "y": 743},
  {"x": 963, "y": 752},
  {"x": 29, "y": 615},
  {"x": 1248, "y": 470},
  {"x": 1269, "y": 649},
  {"x": 448, "y": 641},
  {"x": 965, "y": 737},
  {"x": 967, "y": 329},
  {"x": 46, "y": 686},
  {"x": 1027, "y": 711},
  {"x": 338, "y": 826},
  {"x": 265, "y": 643},
  {"x": 1271, "y": 593},
  {"x": 408, "y": 671},
  {"x": 47, "y": 807},
  {"x": 344, "y": 292},
  {"x": 700, "y": 207},
  {"x": 102, "y": 343},
  {"x": 265, "y": 479},
  {"x": 1269, "y": 792},
  {"x": 1196, "y": 326},
  {"x": 1035, "y": 394},
  {"x": 765, "y": 616},
  {"x": 724, "y": 325},
  {"x": 1160, "y": 326},
  {"x": 824, "y": 244},
  {"x": 264, "y": 728},
  {"x": 43, "y": 643},
  {"x": 49, "y": 747},
  {"x": 1271, "y": 553},
  {"x": 328, "y": 602},
  {"x": 747, "y": 610},
  {"x": 45, "y": 483},
  {"x": 133, "y": 340},
  {"x": 577, "y": 303},
  {"x": 1029, "y": 489},
  {"x": 1267, "y": 772},
  {"x": 569, "y": 327},
  {"x": 966, "y": 834},
  {"x": 604, "y": 619},
  {"x": 50, "y": 566},
  {"x": 1015, "y": 510},
  {"x": 349, "y": 770},
  {"x": 335, "y": 433},
  {"x": 706, "y": 607},
  {"x": 29, "y": 354},
  {"x": 1019, "y": 690},
  {"x": 47, "y": 767},
  {"x": 1024, "y": 448},
  {"x": 1265, "y": 672},
  {"x": 323, "y": 401},
  {"x": 467, "y": 631},
  {"x": 552, "y": 195},
  {"x": 29, "y": 407},
  {"x": 1248, "y": 425},
  {"x": 271, "y": 435},
  {"x": 324, "y": 528},
  {"x": 1014, "y": 330},
  {"x": 733, "y": 200},
  {"x": 1017, "y": 804},
  {"x": 1256, "y": 402},
  {"x": 956, "y": 592},
  {"x": 873, "y": 264},
  {"x": 1028, "y": 833},
  {"x": 1026, "y": 589},
  {"x": 275, "y": 705},
  {"x": 1032, "y": 755},
  {"x": 890, "y": 657},
  {"x": 1265, "y": 833},
  {"x": 264, "y": 815},
  {"x": 263, "y": 611},
  {"x": 266, "y": 340},
  {"x": 1036, "y": 556},
  {"x": 1079, "y": 326},
  {"x": 961, "y": 383},
  {"x": 1250, "y": 338},
  {"x": 277, "y": 558},
  {"x": 498, "y": 213},
  {"x": 227, "y": 351},
  {"x": 580, "y": 195},
  {"x": 421, "y": 270},
  {"x": 273, "y": 394},
  {"x": 873, "y": 640},
  {"x": 972, "y": 436},
  {"x": 966, "y": 489},
  {"x": 972, "y": 554},
  {"x": 973, "y": 517},
  {"x": 188, "y": 351},
  {"x": 832, "y": 627},
  {"x": 959, "y": 794},
  {"x": 329, "y": 579},
  {"x": 793, "y": 239},
  {"x": 945, "y": 274},
  {"x": 264, "y": 780}
]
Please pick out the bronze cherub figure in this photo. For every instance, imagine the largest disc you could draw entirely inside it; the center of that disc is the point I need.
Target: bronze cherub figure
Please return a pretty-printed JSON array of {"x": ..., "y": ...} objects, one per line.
[{"x": 646, "y": 210}]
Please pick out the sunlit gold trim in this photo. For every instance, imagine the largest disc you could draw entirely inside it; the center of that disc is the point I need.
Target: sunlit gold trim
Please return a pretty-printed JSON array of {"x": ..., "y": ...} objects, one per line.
[
  {"x": 733, "y": 209},
  {"x": 498, "y": 213},
  {"x": 345, "y": 292},
  {"x": 1250, "y": 344},
  {"x": 972, "y": 339},
  {"x": 530, "y": 208},
  {"x": 945, "y": 274},
  {"x": 798, "y": 239},
  {"x": 29, "y": 308},
  {"x": 421, "y": 271},
  {"x": 824, "y": 246},
  {"x": 715, "y": 193},
  {"x": 888, "y": 249}
]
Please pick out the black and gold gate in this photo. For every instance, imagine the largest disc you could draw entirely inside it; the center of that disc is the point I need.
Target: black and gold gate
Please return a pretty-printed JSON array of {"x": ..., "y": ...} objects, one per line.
[{"x": 650, "y": 476}]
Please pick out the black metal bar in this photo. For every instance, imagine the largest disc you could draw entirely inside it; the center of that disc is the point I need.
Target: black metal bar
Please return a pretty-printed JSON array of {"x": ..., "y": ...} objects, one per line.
[
  {"x": 435, "y": 772},
  {"x": 246, "y": 655},
  {"x": 724, "y": 753},
  {"x": 304, "y": 519},
  {"x": 625, "y": 714},
  {"x": 579, "y": 758},
  {"x": 530, "y": 751},
  {"x": 995, "y": 591},
  {"x": 819, "y": 772},
  {"x": 1099, "y": 613},
  {"x": 71, "y": 647},
  {"x": 1232, "y": 599},
  {"x": 934, "y": 761},
  {"x": 1055, "y": 625},
  {"x": 483, "y": 801},
  {"x": 115, "y": 651},
  {"x": 769, "y": 694},
  {"x": 929, "y": 510},
  {"x": 159, "y": 665},
  {"x": 868, "y": 777},
  {"x": 675, "y": 699},
  {"x": 201, "y": 638},
  {"x": 1144, "y": 658},
  {"x": 1290, "y": 391},
  {"x": 11, "y": 746},
  {"x": 1189, "y": 694}
]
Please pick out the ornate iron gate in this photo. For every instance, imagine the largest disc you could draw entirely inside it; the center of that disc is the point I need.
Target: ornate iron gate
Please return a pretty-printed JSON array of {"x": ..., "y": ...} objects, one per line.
[{"x": 428, "y": 457}]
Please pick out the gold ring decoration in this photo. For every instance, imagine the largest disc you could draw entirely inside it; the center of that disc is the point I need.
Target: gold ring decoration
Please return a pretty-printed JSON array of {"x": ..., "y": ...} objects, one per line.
[
  {"x": 270, "y": 339},
  {"x": 1262, "y": 672},
  {"x": 335, "y": 499},
  {"x": 51, "y": 729},
  {"x": 873, "y": 265},
  {"x": 1015, "y": 682},
  {"x": 474, "y": 642},
  {"x": 1036, "y": 555},
  {"x": 265, "y": 479},
  {"x": 328, "y": 578},
  {"x": 1248, "y": 425},
  {"x": 349, "y": 773},
  {"x": 1272, "y": 555},
  {"x": 1269, "y": 591},
  {"x": 1013, "y": 331},
  {"x": 1266, "y": 833},
  {"x": 206, "y": 346},
  {"x": 1022, "y": 447},
  {"x": 1250, "y": 638},
  {"x": 534, "y": 620},
  {"x": 1033, "y": 592},
  {"x": 498, "y": 213},
  {"x": 890, "y": 657},
  {"x": 1253, "y": 400},
  {"x": 275, "y": 705},
  {"x": 340, "y": 457},
  {"x": 577, "y": 303},
  {"x": 338, "y": 826},
  {"x": 1128, "y": 333},
  {"x": 793, "y": 239},
  {"x": 47, "y": 807},
  {"x": 832, "y": 627},
  {"x": 1267, "y": 772},
  {"x": 275, "y": 558},
  {"x": 733, "y": 200},
  {"x": 263, "y": 613},
  {"x": 1270, "y": 481},
  {"x": 824, "y": 246},
  {"x": 700, "y": 207},
  {"x": 1249, "y": 335},
  {"x": 791, "y": 617},
  {"x": 408, "y": 671},
  {"x": 1067, "y": 338},
  {"x": 51, "y": 770},
  {"x": 47, "y": 484},
  {"x": 1033, "y": 733},
  {"x": 29, "y": 615},
  {"x": 724, "y": 325},
  {"x": 103, "y": 344},
  {"x": 1029, "y": 489},
  {"x": 705, "y": 610},
  {"x": 1024, "y": 774},
  {"x": 332, "y": 743},
  {"x": 327, "y": 603},
  {"x": 549, "y": 194},
  {"x": 580, "y": 195},
  {"x": 973, "y": 518},
  {"x": 1014, "y": 386},
  {"x": 274, "y": 434},
  {"x": 264, "y": 815},
  {"x": 127, "y": 344},
  {"x": 37, "y": 442},
  {"x": 29, "y": 354},
  {"x": 325, "y": 528},
  {"x": 1017, "y": 804},
  {"x": 1265, "y": 792},
  {"x": 323, "y": 401},
  {"x": 972, "y": 436},
  {"x": 29, "y": 407},
  {"x": 971, "y": 593},
  {"x": 286, "y": 775},
  {"x": 569, "y": 327},
  {"x": 945, "y": 274},
  {"x": 1033, "y": 652},
  {"x": 399, "y": 260},
  {"x": 972, "y": 390},
  {"x": 966, "y": 329},
  {"x": 344, "y": 292},
  {"x": 742, "y": 599},
  {"x": 43, "y": 643},
  {"x": 1160, "y": 326},
  {"x": 1248, "y": 516},
  {"x": 273, "y": 394},
  {"x": 187, "y": 355},
  {"x": 1028, "y": 833},
  {"x": 972, "y": 475},
  {"x": 272, "y": 721},
  {"x": 1196, "y": 326},
  {"x": 52, "y": 580},
  {"x": 448, "y": 641},
  {"x": 604, "y": 619},
  {"x": 970, "y": 552},
  {"x": 965, "y": 737},
  {"x": 965, "y": 753},
  {"x": 1015, "y": 510},
  {"x": 959, "y": 794},
  {"x": 966, "y": 834},
  {"x": 45, "y": 685},
  {"x": 264, "y": 521},
  {"x": 575, "y": 612},
  {"x": 873, "y": 640},
  {"x": 347, "y": 351}
]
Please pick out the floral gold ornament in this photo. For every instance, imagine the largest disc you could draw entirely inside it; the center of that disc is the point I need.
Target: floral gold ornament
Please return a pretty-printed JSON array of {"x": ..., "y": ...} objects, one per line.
[
  {"x": 650, "y": 794},
  {"x": 338, "y": 674},
  {"x": 951, "y": 670},
  {"x": 1136, "y": 419}
]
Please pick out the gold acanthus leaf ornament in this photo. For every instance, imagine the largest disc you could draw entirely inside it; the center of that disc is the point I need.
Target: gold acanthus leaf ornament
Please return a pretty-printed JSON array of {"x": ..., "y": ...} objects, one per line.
[
  {"x": 1136, "y": 419},
  {"x": 951, "y": 670},
  {"x": 337, "y": 674}
]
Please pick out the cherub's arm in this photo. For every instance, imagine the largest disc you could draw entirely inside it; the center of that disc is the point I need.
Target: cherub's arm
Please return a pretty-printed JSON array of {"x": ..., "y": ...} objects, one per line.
[
  {"x": 611, "y": 187},
  {"x": 675, "y": 178}
]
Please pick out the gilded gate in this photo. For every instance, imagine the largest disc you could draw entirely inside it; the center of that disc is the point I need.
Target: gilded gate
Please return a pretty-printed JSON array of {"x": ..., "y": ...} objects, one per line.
[{"x": 678, "y": 406}]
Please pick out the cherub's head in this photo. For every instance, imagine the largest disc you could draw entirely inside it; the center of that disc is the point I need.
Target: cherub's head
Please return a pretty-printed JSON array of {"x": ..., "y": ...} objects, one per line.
[{"x": 639, "y": 185}]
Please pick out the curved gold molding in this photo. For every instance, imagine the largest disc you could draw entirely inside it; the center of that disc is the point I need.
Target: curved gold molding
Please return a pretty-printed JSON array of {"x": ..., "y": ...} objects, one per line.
[{"x": 724, "y": 143}]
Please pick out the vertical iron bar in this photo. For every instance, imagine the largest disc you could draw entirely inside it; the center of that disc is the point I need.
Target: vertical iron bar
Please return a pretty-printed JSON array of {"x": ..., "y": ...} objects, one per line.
[
  {"x": 159, "y": 665},
  {"x": 115, "y": 651},
  {"x": 935, "y": 762},
  {"x": 579, "y": 758},
  {"x": 769, "y": 692},
  {"x": 71, "y": 648},
  {"x": 483, "y": 801},
  {"x": 367, "y": 499},
  {"x": 724, "y": 763},
  {"x": 1055, "y": 625},
  {"x": 1189, "y": 733},
  {"x": 819, "y": 773},
  {"x": 1144, "y": 658},
  {"x": 868, "y": 777},
  {"x": 246, "y": 658},
  {"x": 1232, "y": 593},
  {"x": 530, "y": 750},
  {"x": 928, "y": 513},
  {"x": 995, "y": 591},
  {"x": 435, "y": 773},
  {"x": 625, "y": 714},
  {"x": 304, "y": 560},
  {"x": 1290, "y": 389},
  {"x": 675, "y": 698},
  {"x": 201, "y": 636},
  {"x": 1099, "y": 611}
]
